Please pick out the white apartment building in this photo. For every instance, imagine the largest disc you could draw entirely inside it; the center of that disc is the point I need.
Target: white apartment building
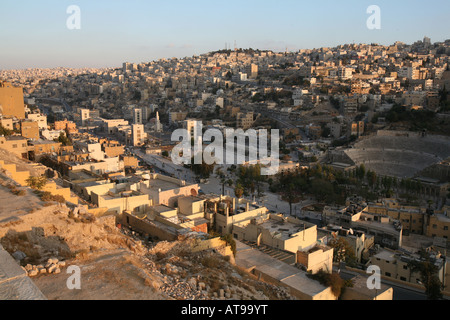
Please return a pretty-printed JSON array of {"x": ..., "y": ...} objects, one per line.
[
  {"x": 194, "y": 127},
  {"x": 138, "y": 135},
  {"x": 40, "y": 119},
  {"x": 410, "y": 73},
  {"x": 137, "y": 116},
  {"x": 345, "y": 73}
]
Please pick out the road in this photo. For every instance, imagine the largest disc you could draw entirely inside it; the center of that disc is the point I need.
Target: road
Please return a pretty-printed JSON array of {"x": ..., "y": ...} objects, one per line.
[
  {"x": 56, "y": 101},
  {"x": 165, "y": 165},
  {"x": 400, "y": 292}
]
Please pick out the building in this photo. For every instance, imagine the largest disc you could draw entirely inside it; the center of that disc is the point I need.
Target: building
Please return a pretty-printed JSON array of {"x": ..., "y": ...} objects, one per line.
[
  {"x": 138, "y": 136},
  {"x": 11, "y": 101},
  {"x": 39, "y": 118},
  {"x": 345, "y": 73},
  {"x": 68, "y": 126},
  {"x": 166, "y": 190},
  {"x": 30, "y": 129},
  {"x": 138, "y": 116},
  {"x": 244, "y": 120},
  {"x": 111, "y": 126},
  {"x": 17, "y": 145},
  {"x": 194, "y": 128},
  {"x": 112, "y": 148},
  {"x": 85, "y": 116},
  {"x": 410, "y": 73},
  {"x": 252, "y": 71},
  {"x": 287, "y": 234},
  {"x": 395, "y": 265},
  {"x": 7, "y": 123},
  {"x": 356, "y": 128},
  {"x": 358, "y": 240},
  {"x": 386, "y": 230},
  {"x": 40, "y": 147},
  {"x": 177, "y": 116}
]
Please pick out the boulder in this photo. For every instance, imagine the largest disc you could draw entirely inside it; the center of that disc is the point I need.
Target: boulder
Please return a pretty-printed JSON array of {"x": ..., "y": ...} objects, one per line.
[
  {"x": 33, "y": 273},
  {"x": 19, "y": 255},
  {"x": 52, "y": 268}
]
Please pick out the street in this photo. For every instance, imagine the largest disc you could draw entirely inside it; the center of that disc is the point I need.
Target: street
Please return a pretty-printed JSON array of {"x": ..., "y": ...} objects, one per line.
[{"x": 400, "y": 292}]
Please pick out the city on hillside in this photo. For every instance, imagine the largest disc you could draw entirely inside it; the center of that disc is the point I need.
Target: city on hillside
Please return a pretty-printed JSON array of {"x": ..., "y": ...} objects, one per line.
[{"x": 358, "y": 136}]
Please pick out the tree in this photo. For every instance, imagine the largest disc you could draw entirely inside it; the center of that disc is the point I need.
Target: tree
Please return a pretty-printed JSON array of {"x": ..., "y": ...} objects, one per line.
[
  {"x": 36, "y": 183},
  {"x": 239, "y": 191},
  {"x": 64, "y": 140},
  {"x": 429, "y": 275},
  {"x": 371, "y": 178},
  {"x": 342, "y": 251}
]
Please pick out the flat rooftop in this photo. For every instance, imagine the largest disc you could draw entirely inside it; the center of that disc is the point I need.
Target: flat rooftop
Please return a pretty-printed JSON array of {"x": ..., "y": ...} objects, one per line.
[
  {"x": 163, "y": 184},
  {"x": 248, "y": 258},
  {"x": 282, "y": 229},
  {"x": 386, "y": 227},
  {"x": 385, "y": 255},
  {"x": 161, "y": 208}
]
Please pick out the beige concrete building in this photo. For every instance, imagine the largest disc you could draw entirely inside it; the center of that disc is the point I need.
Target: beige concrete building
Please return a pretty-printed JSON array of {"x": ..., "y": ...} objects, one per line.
[
  {"x": 244, "y": 120},
  {"x": 7, "y": 123},
  {"x": 274, "y": 271},
  {"x": 11, "y": 101},
  {"x": 358, "y": 240},
  {"x": 394, "y": 265},
  {"x": 15, "y": 144},
  {"x": 165, "y": 190},
  {"x": 30, "y": 129}
]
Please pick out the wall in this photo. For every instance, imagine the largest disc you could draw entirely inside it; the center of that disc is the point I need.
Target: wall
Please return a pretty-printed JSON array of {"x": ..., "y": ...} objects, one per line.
[
  {"x": 224, "y": 224},
  {"x": 321, "y": 259},
  {"x": 189, "y": 207},
  {"x": 19, "y": 147},
  {"x": 148, "y": 227},
  {"x": 118, "y": 205},
  {"x": 21, "y": 176}
]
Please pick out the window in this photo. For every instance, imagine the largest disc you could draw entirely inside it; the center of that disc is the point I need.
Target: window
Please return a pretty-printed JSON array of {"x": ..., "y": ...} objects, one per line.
[
  {"x": 14, "y": 146},
  {"x": 388, "y": 274},
  {"x": 445, "y": 228},
  {"x": 434, "y": 226},
  {"x": 403, "y": 278},
  {"x": 405, "y": 267}
]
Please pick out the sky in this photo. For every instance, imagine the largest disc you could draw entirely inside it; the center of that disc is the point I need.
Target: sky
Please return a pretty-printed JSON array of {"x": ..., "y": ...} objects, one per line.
[{"x": 34, "y": 33}]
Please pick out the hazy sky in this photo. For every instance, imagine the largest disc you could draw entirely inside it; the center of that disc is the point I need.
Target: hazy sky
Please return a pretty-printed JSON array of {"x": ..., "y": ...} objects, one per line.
[{"x": 33, "y": 33}]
